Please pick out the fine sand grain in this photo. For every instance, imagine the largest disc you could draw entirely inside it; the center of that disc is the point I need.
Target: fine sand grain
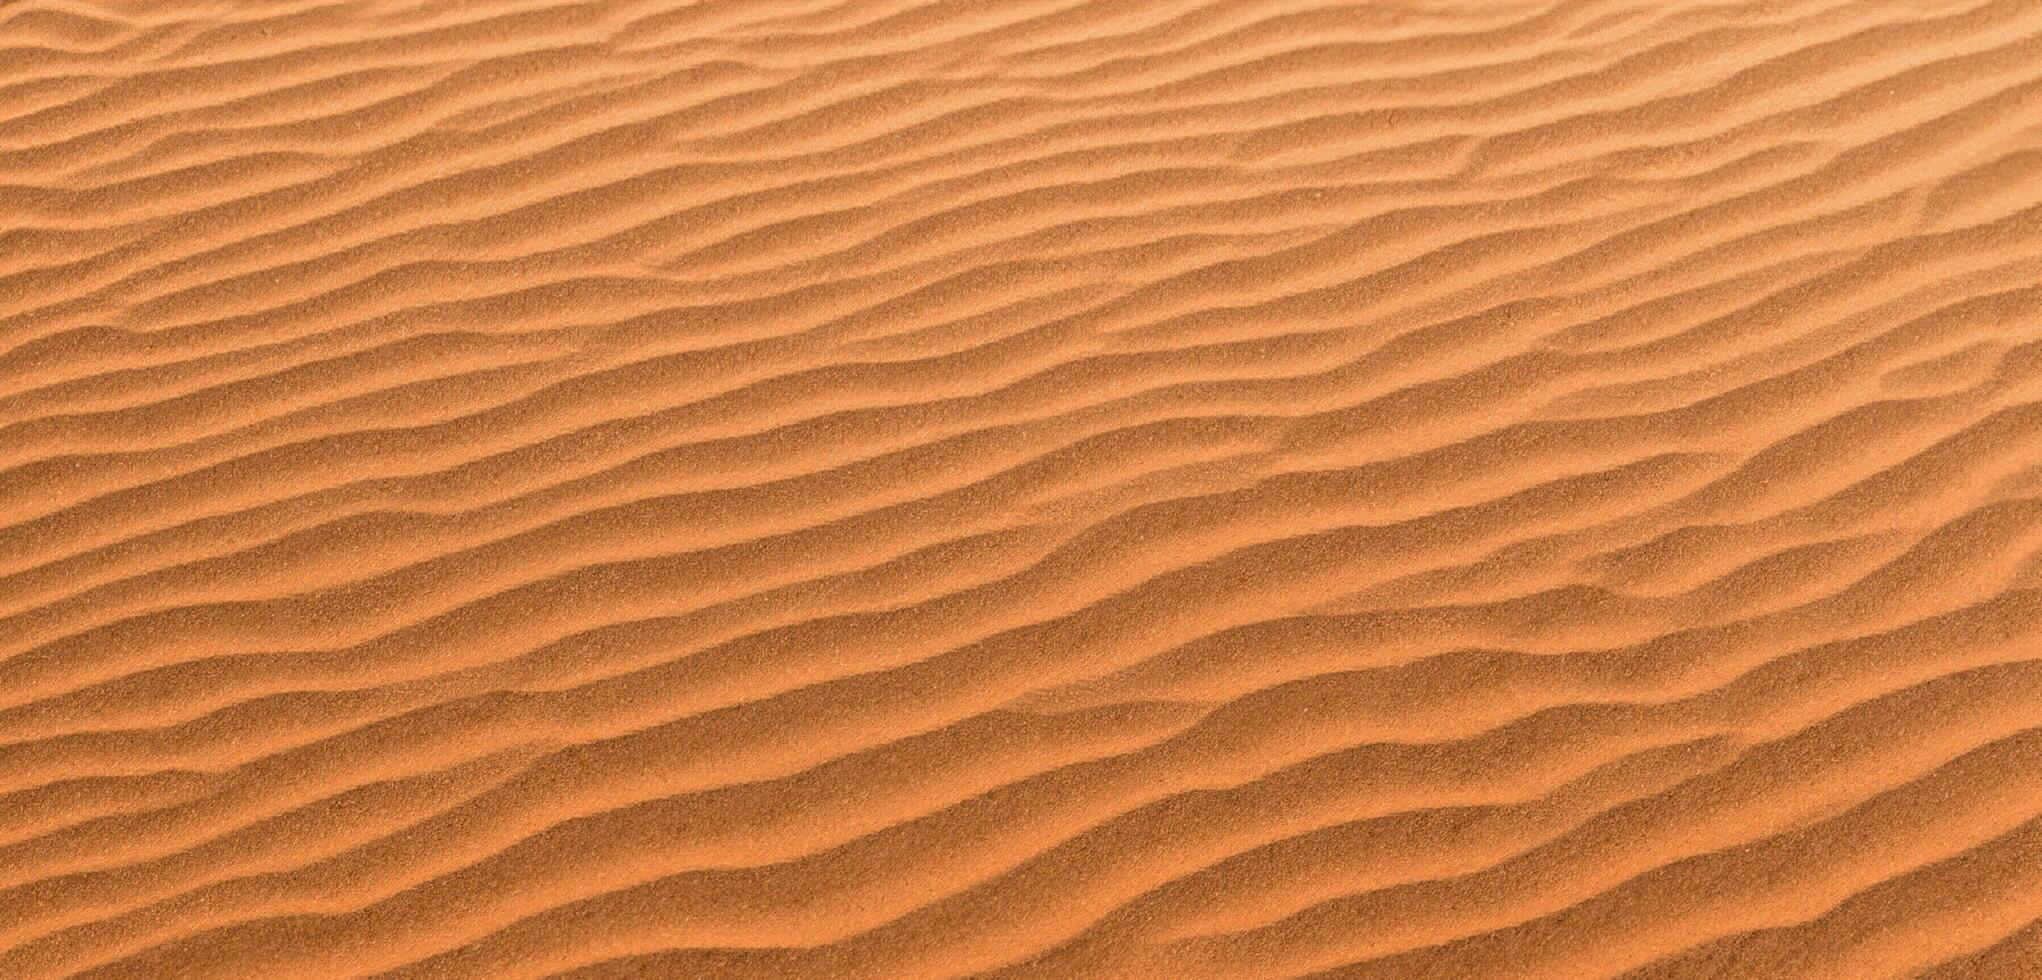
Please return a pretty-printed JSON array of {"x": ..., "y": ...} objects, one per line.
[{"x": 873, "y": 489}]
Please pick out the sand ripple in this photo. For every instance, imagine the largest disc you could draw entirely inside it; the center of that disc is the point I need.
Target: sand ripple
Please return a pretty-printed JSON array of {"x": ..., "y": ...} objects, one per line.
[{"x": 1061, "y": 488}]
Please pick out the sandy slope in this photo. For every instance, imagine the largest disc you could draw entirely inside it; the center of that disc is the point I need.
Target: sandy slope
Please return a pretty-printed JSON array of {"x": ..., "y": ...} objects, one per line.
[{"x": 1052, "y": 488}]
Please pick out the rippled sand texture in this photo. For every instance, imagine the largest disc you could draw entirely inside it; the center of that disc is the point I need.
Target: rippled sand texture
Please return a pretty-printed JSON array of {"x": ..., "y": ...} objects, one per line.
[{"x": 1089, "y": 488}]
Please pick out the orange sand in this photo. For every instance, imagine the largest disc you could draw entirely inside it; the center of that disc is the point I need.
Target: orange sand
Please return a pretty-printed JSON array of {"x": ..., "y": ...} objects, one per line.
[{"x": 1033, "y": 488}]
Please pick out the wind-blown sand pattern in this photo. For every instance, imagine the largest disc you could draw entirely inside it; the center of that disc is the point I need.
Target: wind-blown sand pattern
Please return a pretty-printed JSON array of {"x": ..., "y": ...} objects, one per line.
[{"x": 1053, "y": 488}]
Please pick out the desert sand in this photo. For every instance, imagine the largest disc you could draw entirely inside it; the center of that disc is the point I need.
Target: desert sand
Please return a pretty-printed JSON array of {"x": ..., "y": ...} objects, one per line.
[{"x": 1036, "y": 488}]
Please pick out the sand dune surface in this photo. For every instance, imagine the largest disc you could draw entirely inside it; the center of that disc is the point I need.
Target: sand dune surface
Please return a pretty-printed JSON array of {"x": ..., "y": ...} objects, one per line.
[{"x": 1050, "y": 488}]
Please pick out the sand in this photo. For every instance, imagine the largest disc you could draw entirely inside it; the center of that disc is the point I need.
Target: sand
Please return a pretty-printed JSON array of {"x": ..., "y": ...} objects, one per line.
[{"x": 1039, "y": 488}]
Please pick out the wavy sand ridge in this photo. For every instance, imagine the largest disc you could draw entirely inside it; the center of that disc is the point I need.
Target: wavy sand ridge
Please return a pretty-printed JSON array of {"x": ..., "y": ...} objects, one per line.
[{"x": 1078, "y": 488}]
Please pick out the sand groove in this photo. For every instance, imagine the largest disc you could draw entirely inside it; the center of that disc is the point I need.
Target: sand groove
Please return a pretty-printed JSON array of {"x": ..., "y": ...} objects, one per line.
[{"x": 1063, "y": 488}]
